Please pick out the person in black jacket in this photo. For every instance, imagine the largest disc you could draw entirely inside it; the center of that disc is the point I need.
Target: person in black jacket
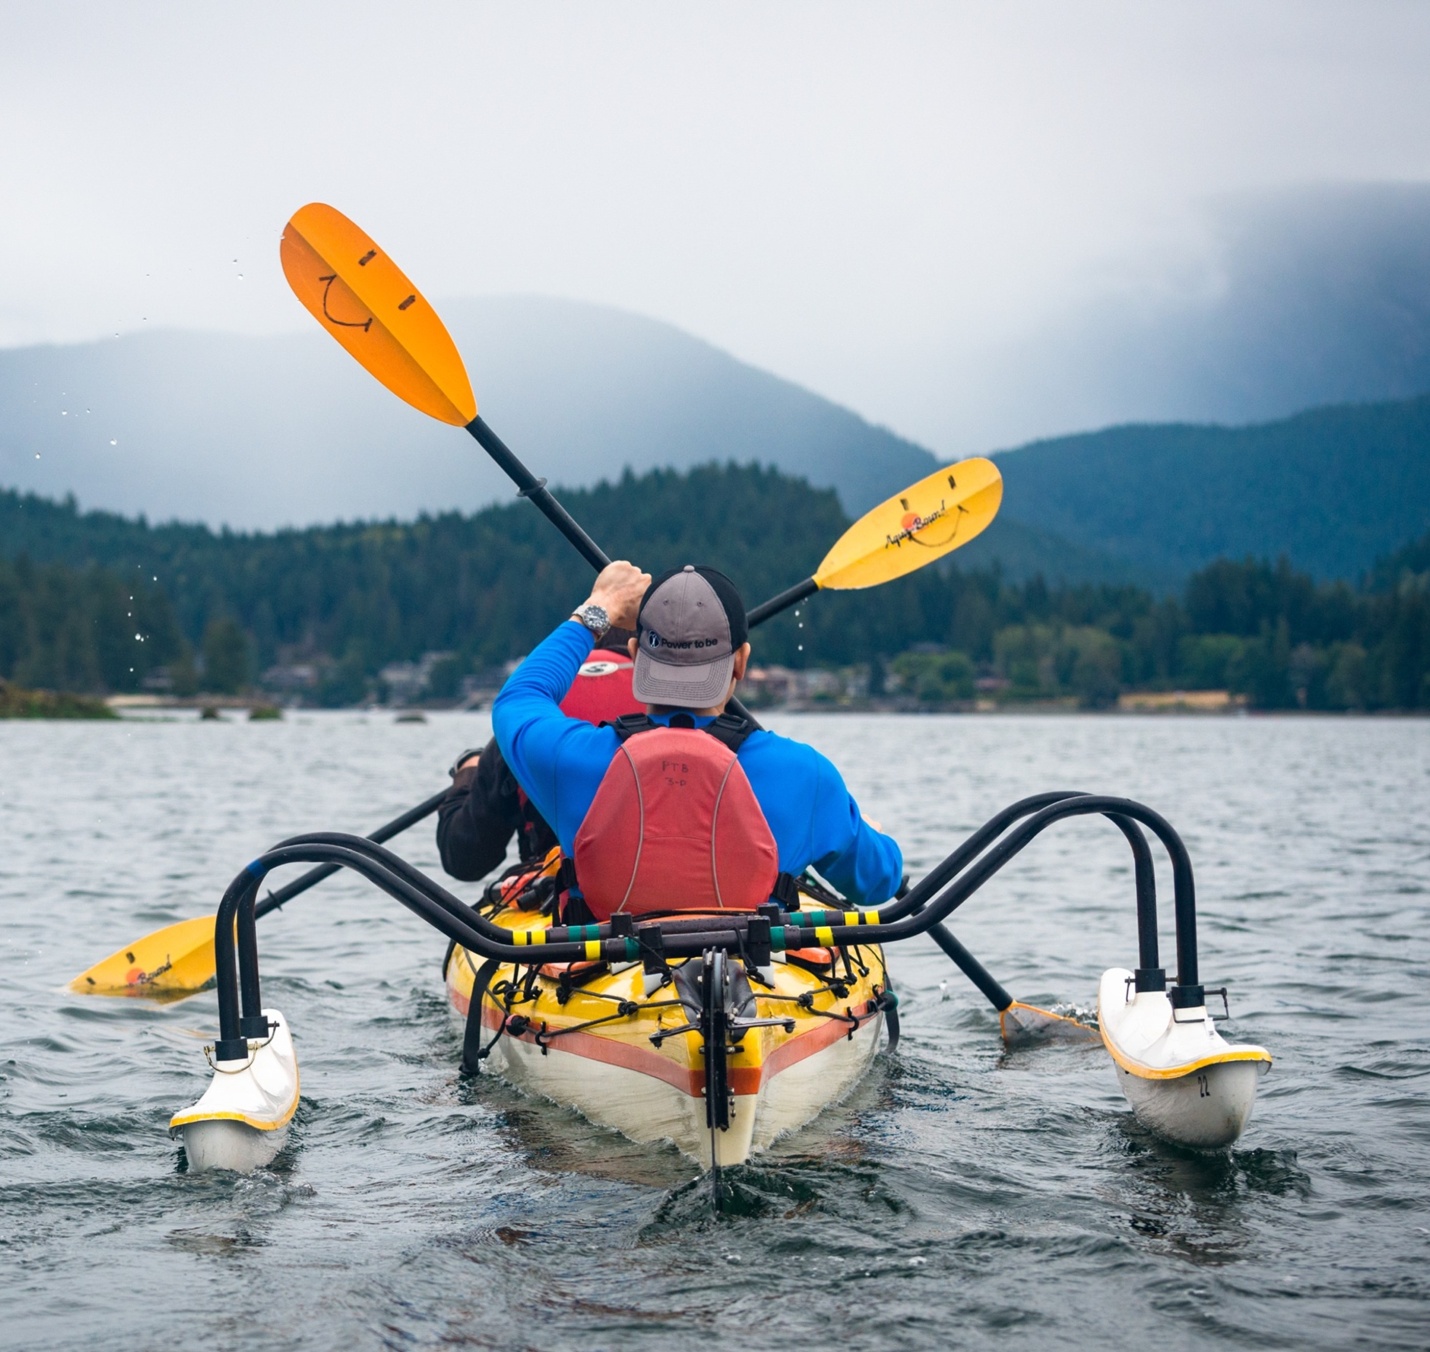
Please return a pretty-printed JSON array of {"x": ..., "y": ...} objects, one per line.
[{"x": 486, "y": 807}]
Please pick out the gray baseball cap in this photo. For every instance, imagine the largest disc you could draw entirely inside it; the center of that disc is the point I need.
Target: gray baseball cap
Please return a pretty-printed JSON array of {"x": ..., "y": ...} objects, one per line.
[{"x": 691, "y": 622}]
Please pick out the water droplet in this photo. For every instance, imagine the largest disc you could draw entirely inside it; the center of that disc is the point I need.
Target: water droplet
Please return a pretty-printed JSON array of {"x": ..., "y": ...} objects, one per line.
[
  {"x": 801, "y": 647},
  {"x": 37, "y": 455},
  {"x": 240, "y": 276},
  {"x": 138, "y": 639},
  {"x": 112, "y": 442},
  {"x": 64, "y": 413}
]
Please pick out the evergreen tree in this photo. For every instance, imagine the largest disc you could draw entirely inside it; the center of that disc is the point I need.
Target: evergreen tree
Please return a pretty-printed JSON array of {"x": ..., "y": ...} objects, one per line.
[
  {"x": 120, "y": 602},
  {"x": 226, "y": 656}
]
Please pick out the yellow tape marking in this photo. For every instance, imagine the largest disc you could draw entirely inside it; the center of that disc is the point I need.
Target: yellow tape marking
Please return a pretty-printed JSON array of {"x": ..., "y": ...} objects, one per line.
[
  {"x": 1181, "y": 1072},
  {"x": 824, "y": 936}
]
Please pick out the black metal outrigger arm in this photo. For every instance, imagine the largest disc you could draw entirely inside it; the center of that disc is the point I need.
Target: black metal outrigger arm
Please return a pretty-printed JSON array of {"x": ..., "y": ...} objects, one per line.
[{"x": 754, "y": 934}]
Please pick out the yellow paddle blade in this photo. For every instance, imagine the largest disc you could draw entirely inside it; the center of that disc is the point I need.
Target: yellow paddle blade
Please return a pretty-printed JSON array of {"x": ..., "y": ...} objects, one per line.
[
  {"x": 170, "y": 963},
  {"x": 1023, "y": 1024},
  {"x": 915, "y": 527},
  {"x": 364, "y": 300}
]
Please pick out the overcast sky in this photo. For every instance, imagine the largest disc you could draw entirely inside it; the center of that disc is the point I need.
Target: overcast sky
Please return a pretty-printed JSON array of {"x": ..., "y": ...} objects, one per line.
[{"x": 850, "y": 195}]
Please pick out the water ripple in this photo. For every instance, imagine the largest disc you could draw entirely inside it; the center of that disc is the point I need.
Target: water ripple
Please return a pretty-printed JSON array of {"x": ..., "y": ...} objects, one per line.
[{"x": 964, "y": 1196}]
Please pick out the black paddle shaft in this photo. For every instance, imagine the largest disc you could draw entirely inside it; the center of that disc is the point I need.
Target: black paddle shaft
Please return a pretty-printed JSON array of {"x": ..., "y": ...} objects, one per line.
[
  {"x": 974, "y": 970},
  {"x": 529, "y": 486},
  {"x": 316, "y": 875},
  {"x": 783, "y": 601}
]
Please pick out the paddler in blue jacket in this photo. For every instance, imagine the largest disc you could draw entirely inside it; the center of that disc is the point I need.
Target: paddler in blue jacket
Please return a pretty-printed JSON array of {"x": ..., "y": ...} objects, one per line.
[{"x": 690, "y": 652}]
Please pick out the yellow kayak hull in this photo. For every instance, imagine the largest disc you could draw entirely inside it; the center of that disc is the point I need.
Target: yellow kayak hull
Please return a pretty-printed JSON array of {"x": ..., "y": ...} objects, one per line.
[{"x": 586, "y": 1043}]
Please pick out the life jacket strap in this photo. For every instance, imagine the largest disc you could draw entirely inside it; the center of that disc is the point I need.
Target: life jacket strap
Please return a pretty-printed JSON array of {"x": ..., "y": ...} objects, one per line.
[
  {"x": 566, "y": 874},
  {"x": 729, "y": 729}
]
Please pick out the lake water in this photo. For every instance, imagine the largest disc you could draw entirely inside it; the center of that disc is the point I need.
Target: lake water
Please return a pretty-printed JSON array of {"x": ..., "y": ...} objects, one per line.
[{"x": 964, "y": 1197}]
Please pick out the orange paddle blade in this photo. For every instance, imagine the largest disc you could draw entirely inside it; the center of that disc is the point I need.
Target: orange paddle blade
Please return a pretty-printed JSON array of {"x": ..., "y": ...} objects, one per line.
[{"x": 365, "y": 301}]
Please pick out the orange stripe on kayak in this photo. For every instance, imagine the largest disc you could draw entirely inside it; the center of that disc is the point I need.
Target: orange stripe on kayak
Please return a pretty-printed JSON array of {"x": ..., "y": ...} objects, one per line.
[{"x": 743, "y": 1079}]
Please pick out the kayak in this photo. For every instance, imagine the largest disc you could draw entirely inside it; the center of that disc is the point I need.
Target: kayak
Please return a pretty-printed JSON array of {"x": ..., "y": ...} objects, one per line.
[
  {"x": 628, "y": 1051},
  {"x": 721, "y": 1031}
]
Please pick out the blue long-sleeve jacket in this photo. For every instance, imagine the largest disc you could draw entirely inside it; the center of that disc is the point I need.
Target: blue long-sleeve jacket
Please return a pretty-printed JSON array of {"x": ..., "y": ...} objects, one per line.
[{"x": 561, "y": 761}]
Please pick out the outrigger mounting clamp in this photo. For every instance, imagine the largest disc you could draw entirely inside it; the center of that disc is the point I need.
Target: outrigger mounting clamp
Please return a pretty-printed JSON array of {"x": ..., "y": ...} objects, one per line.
[{"x": 651, "y": 943}]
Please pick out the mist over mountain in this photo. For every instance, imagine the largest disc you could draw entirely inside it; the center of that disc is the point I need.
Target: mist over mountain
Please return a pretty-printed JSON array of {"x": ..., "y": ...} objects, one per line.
[
  {"x": 1327, "y": 296},
  {"x": 256, "y": 433},
  {"x": 1294, "y": 299}
]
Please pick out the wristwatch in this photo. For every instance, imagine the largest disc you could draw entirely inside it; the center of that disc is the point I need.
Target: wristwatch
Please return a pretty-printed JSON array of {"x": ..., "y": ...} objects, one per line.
[{"x": 594, "y": 617}]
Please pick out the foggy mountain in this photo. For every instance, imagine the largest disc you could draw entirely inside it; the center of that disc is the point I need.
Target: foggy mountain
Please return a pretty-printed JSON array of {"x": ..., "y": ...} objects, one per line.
[
  {"x": 1324, "y": 297},
  {"x": 263, "y": 432}
]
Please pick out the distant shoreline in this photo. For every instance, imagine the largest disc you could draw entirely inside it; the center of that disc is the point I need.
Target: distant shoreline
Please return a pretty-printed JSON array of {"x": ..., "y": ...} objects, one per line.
[{"x": 1133, "y": 705}]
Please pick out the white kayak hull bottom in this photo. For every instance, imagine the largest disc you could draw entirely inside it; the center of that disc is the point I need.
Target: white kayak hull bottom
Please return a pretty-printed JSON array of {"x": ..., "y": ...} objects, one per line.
[
  {"x": 1207, "y": 1109},
  {"x": 218, "y": 1144},
  {"x": 650, "y": 1110}
]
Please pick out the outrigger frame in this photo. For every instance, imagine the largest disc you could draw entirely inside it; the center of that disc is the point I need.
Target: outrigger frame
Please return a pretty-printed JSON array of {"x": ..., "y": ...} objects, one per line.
[
  {"x": 751, "y": 935},
  {"x": 1182, "y": 1079}
]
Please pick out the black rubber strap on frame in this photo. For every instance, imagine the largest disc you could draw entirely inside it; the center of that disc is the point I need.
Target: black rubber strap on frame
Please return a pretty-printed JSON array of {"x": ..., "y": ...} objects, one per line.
[
  {"x": 891, "y": 1021},
  {"x": 472, "y": 1051}
]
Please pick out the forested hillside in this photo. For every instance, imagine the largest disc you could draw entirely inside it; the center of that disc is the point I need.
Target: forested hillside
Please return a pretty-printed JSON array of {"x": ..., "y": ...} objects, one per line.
[
  {"x": 1334, "y": 489},
  {"x": 258, "y": 432},
  {"x": 96, "y": 602}
]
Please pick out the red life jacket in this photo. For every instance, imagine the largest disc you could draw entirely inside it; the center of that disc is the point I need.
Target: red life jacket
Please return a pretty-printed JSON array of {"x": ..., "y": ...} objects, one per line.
[
  {"x": 601, "y": 692},
  {"x": 675, "y": 826}
]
